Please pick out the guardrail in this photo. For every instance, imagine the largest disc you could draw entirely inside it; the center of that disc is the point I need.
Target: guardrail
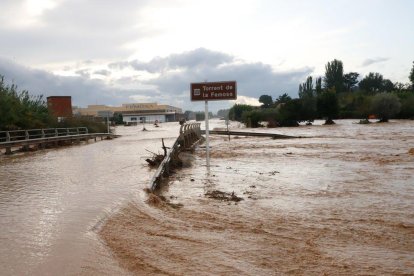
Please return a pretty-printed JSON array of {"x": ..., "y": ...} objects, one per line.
[
  {"x": 189, "y": 135},
  {"x": 41, "y": 138},
  {"x": 29, "y": 134}
]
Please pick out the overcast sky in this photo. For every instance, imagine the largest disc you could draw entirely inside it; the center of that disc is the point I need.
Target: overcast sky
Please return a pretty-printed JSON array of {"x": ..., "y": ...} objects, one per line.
[{"x": 113, "y": 52}]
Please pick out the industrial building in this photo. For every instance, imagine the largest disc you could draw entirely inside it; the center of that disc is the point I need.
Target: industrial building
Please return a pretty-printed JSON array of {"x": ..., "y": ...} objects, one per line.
[{"x": 135, "y": 113}]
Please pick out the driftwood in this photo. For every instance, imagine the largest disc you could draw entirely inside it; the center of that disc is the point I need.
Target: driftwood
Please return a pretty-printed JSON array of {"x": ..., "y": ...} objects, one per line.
[{"x": 156, "y": 159}]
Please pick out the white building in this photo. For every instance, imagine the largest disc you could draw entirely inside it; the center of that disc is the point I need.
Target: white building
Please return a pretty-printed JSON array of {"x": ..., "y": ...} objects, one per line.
[{"x": 135, "y": 113}]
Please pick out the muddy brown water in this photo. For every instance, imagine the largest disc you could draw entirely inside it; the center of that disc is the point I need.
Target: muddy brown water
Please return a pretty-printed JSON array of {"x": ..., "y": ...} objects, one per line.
[
  {"x": 53, "y": 201},
  {"x": 341, "y": 202}
]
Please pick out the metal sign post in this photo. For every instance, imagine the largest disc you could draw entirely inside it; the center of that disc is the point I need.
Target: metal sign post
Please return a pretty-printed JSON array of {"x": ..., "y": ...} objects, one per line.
[{"x": 207, "y": 136}]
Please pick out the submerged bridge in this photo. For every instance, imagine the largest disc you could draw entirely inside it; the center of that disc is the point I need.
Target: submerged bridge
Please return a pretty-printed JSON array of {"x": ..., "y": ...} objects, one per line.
[{"x": 42, "y": 138}]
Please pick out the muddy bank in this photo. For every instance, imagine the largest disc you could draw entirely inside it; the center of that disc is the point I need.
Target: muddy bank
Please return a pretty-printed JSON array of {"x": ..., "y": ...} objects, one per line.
[{"x": 339, "y": 203}]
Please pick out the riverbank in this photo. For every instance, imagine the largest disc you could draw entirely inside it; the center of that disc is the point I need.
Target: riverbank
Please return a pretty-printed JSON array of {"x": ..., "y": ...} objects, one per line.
[{"x": 337, "y": 203}]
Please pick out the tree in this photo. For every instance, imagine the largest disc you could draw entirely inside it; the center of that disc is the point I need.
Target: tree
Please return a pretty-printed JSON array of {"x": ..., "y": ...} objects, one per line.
[
  {"x": 350, "y": 81},
  {"x": 266, "y": 100},
  {"x": 236, "y": 112},
  {"x": 411, "y": 77},
  {"x": 318, "y": 86},
  {"x": 385, "y": 106},
  {"x": 21, "y": 110},
  {"x": 284, "y": 98},
  {"x": 290, "y": 113},
  {"x": 328, "y": 107},
  {"x": 407, "y": 106},
  {"x": 387, "y": 85},
  {"x": 307, "y": 101},
  {"x": 400, "y": 87},
  {"x": 334, "y": 76},
  {"x": 372, "y": 83},
  {"x": 306, "y": 88}
]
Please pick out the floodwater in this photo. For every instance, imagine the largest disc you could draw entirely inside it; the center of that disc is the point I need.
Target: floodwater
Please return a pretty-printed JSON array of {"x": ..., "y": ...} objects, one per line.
[
  {"x": 52, "y": 202},
  {"x": 340, "y": 201}
]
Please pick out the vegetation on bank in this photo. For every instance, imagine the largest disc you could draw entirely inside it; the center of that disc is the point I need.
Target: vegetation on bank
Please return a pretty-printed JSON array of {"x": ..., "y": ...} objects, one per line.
[
  {"x": 334, "y": 96},
  {"x": 20, "y": 110}
]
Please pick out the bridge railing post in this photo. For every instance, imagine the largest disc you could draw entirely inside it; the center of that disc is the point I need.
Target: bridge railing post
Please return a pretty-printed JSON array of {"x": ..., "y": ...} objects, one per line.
[
  {"x": 26, "y": 135},
  {"x": 43, "y": 133},
  {"x": 7, "y": 136},
  {"x": 181, "y": 137}
]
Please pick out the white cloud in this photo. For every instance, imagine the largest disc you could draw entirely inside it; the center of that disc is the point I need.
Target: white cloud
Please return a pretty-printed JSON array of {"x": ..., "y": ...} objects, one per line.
[
  {"x": 370, "y": 61},
  {"x": 247, "y": 100}
]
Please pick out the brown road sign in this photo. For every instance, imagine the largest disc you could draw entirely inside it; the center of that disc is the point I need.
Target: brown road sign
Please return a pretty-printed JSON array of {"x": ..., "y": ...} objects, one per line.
[{"x": 213, "y": 91}]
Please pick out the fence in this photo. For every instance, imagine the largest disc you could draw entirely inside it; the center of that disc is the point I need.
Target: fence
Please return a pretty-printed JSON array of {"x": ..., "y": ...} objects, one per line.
[
  {"x": 44, "y": 137},
  {"x": 190, "y": 134}
]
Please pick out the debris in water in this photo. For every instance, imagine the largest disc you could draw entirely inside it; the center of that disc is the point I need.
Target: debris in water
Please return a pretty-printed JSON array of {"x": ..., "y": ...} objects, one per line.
[
  {"x": 411, "y": 151},
  {"x": 154, "y": 200},
  {"x": 216, "y": 194},
  {"x": 155, "y": 160},
  {"x": 160, "y": 201}
]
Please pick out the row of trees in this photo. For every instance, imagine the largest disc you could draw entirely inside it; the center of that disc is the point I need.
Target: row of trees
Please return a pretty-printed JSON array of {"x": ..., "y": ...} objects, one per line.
[
  {"x": 20, "y": 110},
  {"x": 336, "y": 95}
]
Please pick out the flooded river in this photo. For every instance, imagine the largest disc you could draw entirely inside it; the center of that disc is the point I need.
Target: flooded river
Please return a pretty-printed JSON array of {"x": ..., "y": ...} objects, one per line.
[
  {"x": 51, "y": 201},
  {"x": 340, "y": 201}
]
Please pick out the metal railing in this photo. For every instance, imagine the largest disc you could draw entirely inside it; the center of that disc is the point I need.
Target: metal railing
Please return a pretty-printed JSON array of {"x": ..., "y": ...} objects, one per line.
[
  {"x": 30, "y": 134},
  {"x": 189, "y": 135}
]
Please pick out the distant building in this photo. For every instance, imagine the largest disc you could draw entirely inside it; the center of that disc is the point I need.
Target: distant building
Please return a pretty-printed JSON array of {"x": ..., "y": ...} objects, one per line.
[
  {"x": 60, "y": 106},
  {"x": 135, "y": 113}
]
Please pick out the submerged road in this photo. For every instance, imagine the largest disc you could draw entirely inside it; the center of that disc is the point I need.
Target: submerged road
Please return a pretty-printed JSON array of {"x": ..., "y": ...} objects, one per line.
[{"x": 53, "y": 201}]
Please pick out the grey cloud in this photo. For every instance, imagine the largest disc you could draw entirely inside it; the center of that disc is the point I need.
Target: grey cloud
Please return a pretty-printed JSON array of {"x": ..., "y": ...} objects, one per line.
[
  {"x": 102, "y": 72},
  {"x": 154, "y": 66},
  {"x": 254, "y": 79},
  {"x": 168, "y": 87},
  {"x": 119, "y": 65},
  {"x": 83, "y": 73},
  {"x": 84, "y": 91},
  {"x": 199, "y": 58},
  {"x": 370, "y": 61},
  {"x": 202, "y": 64}
]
